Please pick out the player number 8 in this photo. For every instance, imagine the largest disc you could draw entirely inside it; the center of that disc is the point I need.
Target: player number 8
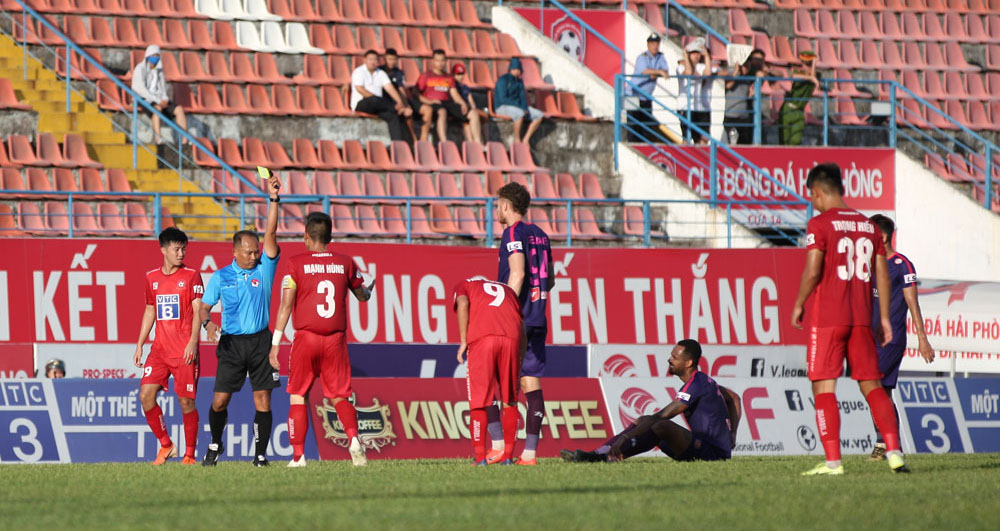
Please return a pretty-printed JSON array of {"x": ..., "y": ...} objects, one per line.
[
  {"x": 859, "y": 259},
  {"x": 496, "y": 291}
]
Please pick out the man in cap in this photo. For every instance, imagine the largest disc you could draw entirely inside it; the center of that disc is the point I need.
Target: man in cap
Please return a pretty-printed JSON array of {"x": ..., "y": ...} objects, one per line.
[
  {"x": 148, "y": 82},
  {"x": 653, "y": 65}
]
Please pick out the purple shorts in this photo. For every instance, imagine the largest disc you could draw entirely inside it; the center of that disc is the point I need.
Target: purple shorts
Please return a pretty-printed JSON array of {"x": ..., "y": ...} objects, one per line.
[
  {"x": 700, "y": 450},
  {"x": 889, "y": 359},
  {"x": 534, "y": 357}
]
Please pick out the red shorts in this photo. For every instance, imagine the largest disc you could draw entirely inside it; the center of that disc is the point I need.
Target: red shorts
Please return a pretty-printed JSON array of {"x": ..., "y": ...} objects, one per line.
[
  {"x": 493, "y": 361},
  {"x": 158, "y": 369},
  {"x": 828, "y": 346},
  {"x": 323, "y": 356}
]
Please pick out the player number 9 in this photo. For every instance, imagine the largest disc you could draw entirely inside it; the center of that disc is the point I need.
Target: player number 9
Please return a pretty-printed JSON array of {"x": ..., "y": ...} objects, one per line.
[
  {"x": 859, "y": 259},
  {"x": 496, "y": 291}
]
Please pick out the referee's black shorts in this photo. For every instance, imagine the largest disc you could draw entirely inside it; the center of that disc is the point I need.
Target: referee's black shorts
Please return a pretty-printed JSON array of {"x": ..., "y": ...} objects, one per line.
[{"x": 243, "y": 355}]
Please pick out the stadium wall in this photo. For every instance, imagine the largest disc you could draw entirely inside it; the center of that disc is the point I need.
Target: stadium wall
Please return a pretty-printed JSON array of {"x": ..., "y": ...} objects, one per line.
[{"x": 941, "y": 229}]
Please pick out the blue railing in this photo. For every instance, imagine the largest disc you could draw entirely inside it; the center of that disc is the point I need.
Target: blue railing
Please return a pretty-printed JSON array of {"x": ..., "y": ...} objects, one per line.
[
  {"x": 617, "y": 227},
  {"x": 71, "y": 47}
]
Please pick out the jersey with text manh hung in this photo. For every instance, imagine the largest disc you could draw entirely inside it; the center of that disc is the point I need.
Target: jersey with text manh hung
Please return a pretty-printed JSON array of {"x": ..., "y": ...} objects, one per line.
[
  {"x": 850, "y": 242},
  {"x": 173, "y": 296},
  {"x": 321, "y": 281},
  {"x": 533, "y": 243},
  {"x": 493, "y": 309},
  {"x": 706, "y": 412},
  {"x": 902, "y": 275}
]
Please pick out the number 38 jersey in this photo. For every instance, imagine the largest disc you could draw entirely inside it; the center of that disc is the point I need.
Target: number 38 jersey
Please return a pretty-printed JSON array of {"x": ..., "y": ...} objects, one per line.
[
  {"x": 850, "y": 242},
  {"x": 173, "y": 296},
  {"x": 322, "y": 281},
  {"x": 493, "y": 309}
]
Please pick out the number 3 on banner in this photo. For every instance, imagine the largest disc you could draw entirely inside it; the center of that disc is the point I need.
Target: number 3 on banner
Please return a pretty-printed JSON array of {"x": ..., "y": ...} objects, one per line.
[
  {"x": 859, "y": 258},
  {"x": 496, "y": 291}
]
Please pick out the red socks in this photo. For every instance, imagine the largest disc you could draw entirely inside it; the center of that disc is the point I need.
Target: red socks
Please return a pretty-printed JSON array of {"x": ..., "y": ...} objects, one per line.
[
  {"x": 154, "y": 417},
  {"x": 885, "y": 418},
  {"x": 190, "y": 432},
  {"x": 510, "y": 417},
  {"x": 828, "y": 422},
  {"x": 477, "y": 425},
  {"x": 298, "y": 425},
  {"x": 348, "y": 418}
]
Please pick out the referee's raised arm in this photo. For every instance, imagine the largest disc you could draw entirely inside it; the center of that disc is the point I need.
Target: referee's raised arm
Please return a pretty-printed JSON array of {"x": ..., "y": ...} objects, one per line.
[{"x": 271, "y": 233}]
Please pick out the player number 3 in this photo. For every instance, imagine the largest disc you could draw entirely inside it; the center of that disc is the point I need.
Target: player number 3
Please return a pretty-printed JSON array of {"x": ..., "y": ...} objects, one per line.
[
  {"x": 496, "y": 291},
  {"x": 327, "y": 310},
  {"x": 859, "y": 259}
]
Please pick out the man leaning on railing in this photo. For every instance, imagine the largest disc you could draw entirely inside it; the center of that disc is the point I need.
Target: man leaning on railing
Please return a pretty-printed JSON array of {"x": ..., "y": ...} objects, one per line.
[
  {"x": 148, "y": 82},
  {"x": 652, "y": 64}
]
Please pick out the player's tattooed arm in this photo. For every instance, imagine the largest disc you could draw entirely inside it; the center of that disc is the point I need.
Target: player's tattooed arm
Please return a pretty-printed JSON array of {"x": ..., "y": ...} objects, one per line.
[
  {"x": 148, "y": 317},
  {"x": 462, "y": 312},
  {"x": 910, "y": 296},
  {"x": 735, "y": 408},
  {"x": 810, "y": 278}
]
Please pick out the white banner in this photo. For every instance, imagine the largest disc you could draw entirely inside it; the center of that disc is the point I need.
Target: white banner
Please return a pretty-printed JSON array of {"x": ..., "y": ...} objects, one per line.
[
  {"x": 961, "y": 318},
  {"x": 732, "y": 361}
]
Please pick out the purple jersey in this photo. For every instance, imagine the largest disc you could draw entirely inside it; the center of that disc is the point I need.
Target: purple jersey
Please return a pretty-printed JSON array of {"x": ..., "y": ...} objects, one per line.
[
  {"x": 531, "y": 241},
  {"x": 707, "y": 414},
  {"x": 901, "y": 275}
]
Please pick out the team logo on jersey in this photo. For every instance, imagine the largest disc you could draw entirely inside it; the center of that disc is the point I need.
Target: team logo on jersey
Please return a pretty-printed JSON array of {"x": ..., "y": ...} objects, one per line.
[
  {"x": 374, "y": 428},
  {"x": 514, "y": 246},
  {"x": 570, "y": 37},
  {"x": 255, "y": 283},
  {"x": 899, "y": 261},
  {"x": 810, "y": 239},
  {"x": 156, "y": 285},
  {"x": 180, "y": 284}
]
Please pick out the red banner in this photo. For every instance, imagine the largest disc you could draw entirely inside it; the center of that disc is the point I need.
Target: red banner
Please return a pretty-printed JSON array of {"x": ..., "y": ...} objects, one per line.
[
  {"x": 18, "y": 361},
  {"x": 869, "y": 173},
  {"x": 587, "y": 48},
  {"x": 411, "y": 418},
  {"x": 91, "y": 291}
]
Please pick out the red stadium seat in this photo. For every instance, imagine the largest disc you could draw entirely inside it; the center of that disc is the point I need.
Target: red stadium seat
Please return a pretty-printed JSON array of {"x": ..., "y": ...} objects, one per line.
[
  {"x": 544, "y": 188},
  {"x": 56, "y": 218},
  {"x": 277, "y": 155},
  {"x": 369, "y": 223},
  {"x": 590, "y": 186},
  {"x": 330, "y": 156},
  {"x": 325, "y": 184},
  {"x": 349, "y": 185},
  {"x": 373, "y": 185},
  {"x": 378, "y": 156},
  {"x": 38, "y": 181},
  {"x": 398, "y": 185},
  {"x": 31, "y": 219},
  {"x": 441, "y": 220},
  {"x": 254, "y": 153},
  {"x": 48, "y": 150},
  {"x": 110, "y": 221}
]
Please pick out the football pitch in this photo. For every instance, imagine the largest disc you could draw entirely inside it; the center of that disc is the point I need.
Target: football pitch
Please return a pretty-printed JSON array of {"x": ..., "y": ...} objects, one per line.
[{"x": 943, "y": 492}]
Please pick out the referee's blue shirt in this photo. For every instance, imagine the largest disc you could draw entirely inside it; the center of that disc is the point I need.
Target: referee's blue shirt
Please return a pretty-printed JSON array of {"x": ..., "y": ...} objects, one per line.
[{"x": 245, "y": 295}]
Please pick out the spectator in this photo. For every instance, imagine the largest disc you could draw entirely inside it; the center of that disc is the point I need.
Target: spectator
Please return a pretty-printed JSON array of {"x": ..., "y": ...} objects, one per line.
[
  {"x": 653, "y": 65},
  {"x": 368, "y": 87},
  {"x": 697, "y": 86},
  {"x": 510, "y": 99},
  {"x": 398, "y": 78},
  {"x": 473, "y": 130},
  {"x": 55, "y": 369},
  {"x": 148, "y": 82},
  {"x": 792, "y": 114},
  {"x": 739, "y": 98},
  {"x": 439, "y": 98}
]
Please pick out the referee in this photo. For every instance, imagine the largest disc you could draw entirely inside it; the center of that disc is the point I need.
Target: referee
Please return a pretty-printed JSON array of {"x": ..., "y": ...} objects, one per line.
[{"x": 244, "y": 287}]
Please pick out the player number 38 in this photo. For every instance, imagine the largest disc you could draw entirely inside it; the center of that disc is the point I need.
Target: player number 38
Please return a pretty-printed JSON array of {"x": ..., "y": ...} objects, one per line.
[{"x": 859, "y": 259}]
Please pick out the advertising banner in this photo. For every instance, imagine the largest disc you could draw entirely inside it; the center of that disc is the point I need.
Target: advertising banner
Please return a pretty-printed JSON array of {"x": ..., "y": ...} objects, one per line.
[
  {"x": 582, "y": 45},
  {"x": 17, "y": 361},
  {"x": 91, "y": 292},
  {"x": 717, "y": 361},
  {"x": 869, "y": 176},
  {"x": 96, "y": 421},
  {"x": 410, "y": 418}
]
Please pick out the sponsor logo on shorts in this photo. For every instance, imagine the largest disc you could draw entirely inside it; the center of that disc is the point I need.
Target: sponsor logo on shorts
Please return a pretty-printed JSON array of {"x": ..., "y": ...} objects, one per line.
[
  {"x": 806, "y": 438},
  {"x": 374, "y": 428},
  {"x": 514, "y": 246}
]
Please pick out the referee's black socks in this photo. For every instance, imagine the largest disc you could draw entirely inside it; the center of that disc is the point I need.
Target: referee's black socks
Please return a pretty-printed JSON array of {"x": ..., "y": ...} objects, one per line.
[
  {"x": 217, "y": 423},
  {"x": 262, "y": 431}
]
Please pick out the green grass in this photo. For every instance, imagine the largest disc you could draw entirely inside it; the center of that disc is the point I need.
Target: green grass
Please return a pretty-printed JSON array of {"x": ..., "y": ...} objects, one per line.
[{"x": 942, "y": 492}]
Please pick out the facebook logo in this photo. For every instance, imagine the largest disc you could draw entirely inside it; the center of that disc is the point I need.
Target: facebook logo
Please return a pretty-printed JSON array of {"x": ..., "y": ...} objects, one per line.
[
  {"x": 757, "y": 367},
  {"x": 794, "y": 399}
]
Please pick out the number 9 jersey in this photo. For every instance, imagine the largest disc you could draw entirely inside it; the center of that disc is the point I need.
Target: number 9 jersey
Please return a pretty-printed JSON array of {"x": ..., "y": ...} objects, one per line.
[
  {"x": 321, "y": 281},
  {"x": 850, "y": 242},
  {"x": 493, "y": 309}
]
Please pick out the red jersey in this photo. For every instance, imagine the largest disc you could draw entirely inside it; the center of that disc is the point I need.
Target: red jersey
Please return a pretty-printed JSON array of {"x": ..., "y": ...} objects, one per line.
[
  {"x": 322, "y": 281},
  {"x": 850, "y": 242},
  {"x": 435, "y": 86},
  {"x": 173, "y": 297},
  {"x": 493, "y": 309}
]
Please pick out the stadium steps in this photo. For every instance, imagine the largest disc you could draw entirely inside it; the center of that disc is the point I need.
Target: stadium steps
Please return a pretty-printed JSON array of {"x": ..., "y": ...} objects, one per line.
[{"x": 45, "y": 91}]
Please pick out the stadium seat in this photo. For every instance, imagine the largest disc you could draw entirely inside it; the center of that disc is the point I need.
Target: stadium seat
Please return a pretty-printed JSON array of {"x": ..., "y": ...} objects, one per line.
[
  {"x": 472, "y": 185},
  {"x": 56, "y": 218},
  {"x": 330, "y": 156},
  {"x": 369, "y": 223},
  {"x": 47, "y": 148},
  {"x": 8, "y": 98},
  {"x": 277, "y": 155},
  {"x": 32, "y": 221},
  {"x": 522, "y": 160},
  {"x": 110, "y": 221},
  {"x": 21, "y": 153},
  {"x": 449, "y": 186},
  {"x": 349, "y": 185},
  {"x": 494, "y": 180},
  {"x": 343, "y": 221},
  {"x": 65, "y": 180},
  {"x": 467, "y": 14},
  {"x": 566, "y": 187},
  {"x": 521, "y": 179},
  {"x": 258, "y": 101},
  {"x": 285, "y": 103},
  {"x": 324, "y": 183},
  {"x": 803, "y": 24},
  {"x": 304, "y": 155},
  {"x": 937, "y": 165},
  {"x": 229, "y": 151},
  {"x": 498, "y": 158},
  {"x": 468, "y": 223},
  {"x": 543, "y": 188},
  {"x": 402, "y": 157},
  {"x": 571, "y": 109},
  {"x": 9, "y": 225},
  {"x": 449, "y": 157},
  {"x": 587, "y": 227},
  {"x": 84, "y": 222},
  {"x": 393, "y": 221},
  {"x": 398, "y": 186},
  {"x": 633, "y": 221},
  {"x": 38, "y": 181},
  {"x": 11, "y": 180},
  {"x": 354, "y": 155},
  {"x": 373, "y": 186},
  {"x": 426, "y": 158},
  {"x": 234, "y": 101},
  {"x": 441, "y": 220},
  {"x": 423, "y": 186}
]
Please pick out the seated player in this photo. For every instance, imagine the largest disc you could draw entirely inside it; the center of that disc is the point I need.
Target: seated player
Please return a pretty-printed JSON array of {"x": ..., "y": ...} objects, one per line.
[
  {"x": 712, "y": 411},
  {"x": 491, "y": 329},
  {"x": 315, "y": 290}
]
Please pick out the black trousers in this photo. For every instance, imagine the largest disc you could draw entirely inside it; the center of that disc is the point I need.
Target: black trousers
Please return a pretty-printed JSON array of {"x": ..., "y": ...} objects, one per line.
[
  {"x": 643, "y": 116},
  {"x": 385, "y": 110}
]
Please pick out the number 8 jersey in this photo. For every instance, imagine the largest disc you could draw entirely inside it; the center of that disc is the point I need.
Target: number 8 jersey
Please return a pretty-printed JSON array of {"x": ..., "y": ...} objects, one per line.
[
  {"x": 850, "y": 242},
  {"x": 172, "y": 296},
  {"x": 322, "y": 281}
]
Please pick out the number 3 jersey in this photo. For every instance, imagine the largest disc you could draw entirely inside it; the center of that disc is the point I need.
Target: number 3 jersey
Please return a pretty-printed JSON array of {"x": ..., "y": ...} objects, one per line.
[
  {"x": 850, "y": 242},
  {"x": 322, "y": 281},
  {"x": 173, "y": 296}
]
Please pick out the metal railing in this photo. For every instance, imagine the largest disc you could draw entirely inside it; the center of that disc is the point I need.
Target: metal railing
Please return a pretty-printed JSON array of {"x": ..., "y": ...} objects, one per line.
[
  {"x": 69, "y": 47},
  {"x": 614, "y": 219}
]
